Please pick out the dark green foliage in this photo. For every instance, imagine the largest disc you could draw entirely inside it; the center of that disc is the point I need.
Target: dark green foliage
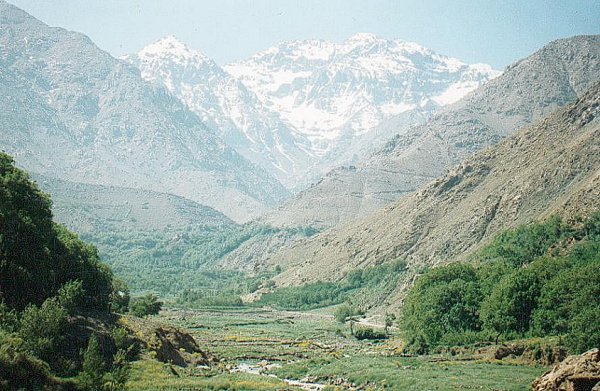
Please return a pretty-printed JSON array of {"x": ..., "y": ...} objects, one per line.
[
  {"x": 569, "y": 303},
  {"x": 42, "y": 328},
  {"x": 71, "y": 296},
  {"x": 522, "y": 245},
  {"x": 80, "y": 261},
  {"x": 119, "y": 297},
  {"x": 510, "y": 305},
  {"x": 145, "y": 305},
  {"x": 9, "y": 318},
  {"x": 20, "y": 370},
  {"x": 116, "y": 378},
  {"x": 542, "y": 279},
  {"x": 46, "y": 274},
  {"x": 94, "y": 365},
  {"x": 37, "y": 257},
  {"x": 444, "y": 300},
  {"x": 369, "y": 333},
  {"x": 103, "y": 369}
]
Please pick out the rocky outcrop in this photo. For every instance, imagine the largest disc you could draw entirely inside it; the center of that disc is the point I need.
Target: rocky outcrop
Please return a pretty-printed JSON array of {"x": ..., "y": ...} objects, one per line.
[
  {"x": 575, "y": 373},
  {"x": 167, "y": 343}
]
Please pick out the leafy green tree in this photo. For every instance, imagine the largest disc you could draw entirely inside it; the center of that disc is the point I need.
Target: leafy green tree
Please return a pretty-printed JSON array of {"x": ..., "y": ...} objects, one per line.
[
  {"x": 42, "y": 328},
  {"x": 145, "y": 305},
  {"x": 345, "y": 312},
  {"x": 9, "y": 318},
  {"x": 78, "y": 260},
  {"x": 389, "y": 321},
  {"x": 71, "y": 296},
  {"x": 119, "y": 296},
  {"x": 25, "y": 231},
  {"x": 94, "y": 365},
  {"x": 568, "y": 305},
  {"x": 510, "y": 306},
  {"x": 19, "y": 370},
  {"x": 119, "y": 373},
  {"x": 444, "y": 300},
  {"x": 37, "y": 257},
  {"x": 524, "y": 244}
]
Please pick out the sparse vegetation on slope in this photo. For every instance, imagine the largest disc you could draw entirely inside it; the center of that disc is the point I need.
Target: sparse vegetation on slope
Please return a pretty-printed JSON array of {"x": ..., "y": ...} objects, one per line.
[
  {"x": 360, "y": 286},
  {"x": 548, "y": 168}
]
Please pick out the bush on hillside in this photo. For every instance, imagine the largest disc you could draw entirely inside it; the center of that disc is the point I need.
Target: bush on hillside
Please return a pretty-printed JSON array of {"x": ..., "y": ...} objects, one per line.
[
  {"x": 145, "y": 305},
  {"x": 369, "y": 333}
]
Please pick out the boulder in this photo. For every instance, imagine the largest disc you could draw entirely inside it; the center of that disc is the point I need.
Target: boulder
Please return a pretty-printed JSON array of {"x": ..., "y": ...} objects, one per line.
[{"x": 575, "y": 373}]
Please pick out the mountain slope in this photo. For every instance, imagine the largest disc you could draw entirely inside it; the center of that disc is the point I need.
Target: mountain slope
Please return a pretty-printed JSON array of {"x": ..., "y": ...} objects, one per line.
[
  {"x": 550, "y": 167},
  {"x": 88, "y": 209},
  {"x": 71, "y": 111},
  {"x": 526, "y": 91},
  {"x": 225, "y": 105}
]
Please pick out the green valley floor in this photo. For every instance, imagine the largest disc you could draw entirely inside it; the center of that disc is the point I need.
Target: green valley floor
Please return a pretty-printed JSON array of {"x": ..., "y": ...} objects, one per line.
[{"x": 265, "y": 349}]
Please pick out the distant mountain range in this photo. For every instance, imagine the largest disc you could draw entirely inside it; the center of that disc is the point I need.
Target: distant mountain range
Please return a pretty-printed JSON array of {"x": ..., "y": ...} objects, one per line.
[
  {"x": 527, "y": 90},
  {"x": 303, "y": 107},
  {"x": 71, "y": 111}
]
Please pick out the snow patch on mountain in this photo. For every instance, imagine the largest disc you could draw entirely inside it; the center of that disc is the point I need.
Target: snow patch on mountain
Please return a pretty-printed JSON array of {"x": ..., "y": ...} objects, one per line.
[
  {"x": 227, "y": 107},
  {"x": 326, "y": 90},
  {"x": 300, "y": 107}
]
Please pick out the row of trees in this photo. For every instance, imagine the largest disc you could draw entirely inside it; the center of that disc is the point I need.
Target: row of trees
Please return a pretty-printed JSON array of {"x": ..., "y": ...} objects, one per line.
[{"x": 542, "y": 279}]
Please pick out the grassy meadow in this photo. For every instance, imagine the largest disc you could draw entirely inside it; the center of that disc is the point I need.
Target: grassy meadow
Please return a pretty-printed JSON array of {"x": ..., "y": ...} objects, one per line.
[{"x": 265, "y": 349}]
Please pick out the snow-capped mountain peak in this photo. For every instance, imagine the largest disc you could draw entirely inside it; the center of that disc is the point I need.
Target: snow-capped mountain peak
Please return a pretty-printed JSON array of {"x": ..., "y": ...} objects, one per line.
[
  {"x": 226, "y": 106},
  {"x": 328, "y": 90},
  {"x": 304, "y": 103},
  {"x": 172, "y": 48}
]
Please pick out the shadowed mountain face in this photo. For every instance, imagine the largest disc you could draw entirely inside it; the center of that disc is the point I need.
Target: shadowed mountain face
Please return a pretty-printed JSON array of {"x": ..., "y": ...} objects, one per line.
[
  {"x": 528, "y": 90},
  {"x": 71, "y": 111},
  {"x": 89, "y": 209},
  {"x": 552, "y": 167}
]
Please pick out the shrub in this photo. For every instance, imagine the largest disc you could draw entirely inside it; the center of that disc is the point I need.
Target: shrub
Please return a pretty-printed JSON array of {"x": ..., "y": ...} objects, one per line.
[
  {"x": 444, "y": 300},
  {"x": 119, "y": 297},
  {"x": 71, "y": 296},
  {"x": 42, "y": 328},
  {"x": 9, "y": 320},
  {"x": 94, "y": 365},
  {"x": 345, "y": 311},
  {"x": 369, "y": 333},
  {"x": 145, "y": 305}
]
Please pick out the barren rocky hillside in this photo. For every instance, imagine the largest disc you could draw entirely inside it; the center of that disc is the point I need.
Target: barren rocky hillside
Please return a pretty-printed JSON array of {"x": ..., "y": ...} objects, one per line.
[{"x": 550, "y": 167}]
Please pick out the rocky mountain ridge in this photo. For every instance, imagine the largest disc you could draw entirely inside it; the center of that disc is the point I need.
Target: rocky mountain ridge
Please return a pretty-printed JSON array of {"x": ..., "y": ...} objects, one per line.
[
  {"x": 527, "y": 91},
  {"x": 225, "y": 105},
  {"x": 303, "y": 107},
  {"x": 71, "y": 111}
]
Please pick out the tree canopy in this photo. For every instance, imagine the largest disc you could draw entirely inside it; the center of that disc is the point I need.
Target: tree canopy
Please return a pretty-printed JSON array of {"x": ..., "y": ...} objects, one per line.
[{"x": 37, "y": 256}]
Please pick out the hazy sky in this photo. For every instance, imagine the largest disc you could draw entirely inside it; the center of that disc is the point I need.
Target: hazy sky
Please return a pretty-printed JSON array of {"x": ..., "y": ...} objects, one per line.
[{"x": 497, "y": 32}]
